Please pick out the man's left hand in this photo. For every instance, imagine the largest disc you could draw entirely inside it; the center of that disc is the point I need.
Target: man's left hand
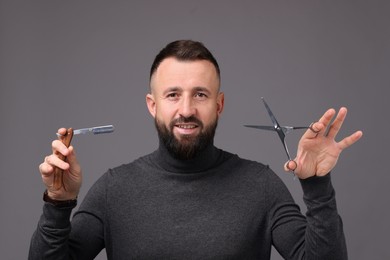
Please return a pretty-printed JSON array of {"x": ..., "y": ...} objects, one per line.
[{"x": 318, "y": 150}]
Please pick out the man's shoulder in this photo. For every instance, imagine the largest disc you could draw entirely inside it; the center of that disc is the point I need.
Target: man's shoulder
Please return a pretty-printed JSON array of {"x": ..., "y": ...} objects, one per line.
[
  {"x": 240, "y": 159},
  {"x": 235, "y": 160},
  {"x": 132, "y": 166}
]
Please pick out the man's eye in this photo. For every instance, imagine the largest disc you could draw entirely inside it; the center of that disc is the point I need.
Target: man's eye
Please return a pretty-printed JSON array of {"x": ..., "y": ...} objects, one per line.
[
  {"x": 200, "y": 95},
  {"x": 172, "y": 95}
]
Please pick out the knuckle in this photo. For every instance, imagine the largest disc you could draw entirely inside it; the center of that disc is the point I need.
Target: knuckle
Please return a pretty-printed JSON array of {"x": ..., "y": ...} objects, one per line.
[
  {"x": 44, "y": 168},
  {"x": 47, "y": 159},
  {"x": 41, "y": 167}
]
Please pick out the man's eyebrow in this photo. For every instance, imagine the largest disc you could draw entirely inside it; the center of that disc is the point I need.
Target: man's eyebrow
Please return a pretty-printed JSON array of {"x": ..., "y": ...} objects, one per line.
[
  {"x": 172, "y": 89},
  {"x": 202, "y": 89},
  {"x": 179, "y": 89}
]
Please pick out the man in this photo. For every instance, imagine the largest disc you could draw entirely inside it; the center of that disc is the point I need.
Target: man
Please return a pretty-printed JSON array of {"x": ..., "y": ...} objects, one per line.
[{"x": 189, "y": 199}]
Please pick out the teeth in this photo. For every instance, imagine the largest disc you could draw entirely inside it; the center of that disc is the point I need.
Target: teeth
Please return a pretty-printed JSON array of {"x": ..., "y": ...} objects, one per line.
[{"x": 186, "y": 126}]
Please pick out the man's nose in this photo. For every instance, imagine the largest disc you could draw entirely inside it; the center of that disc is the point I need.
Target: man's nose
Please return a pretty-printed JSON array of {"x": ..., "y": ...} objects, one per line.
[{"x": 187, "y": 107}]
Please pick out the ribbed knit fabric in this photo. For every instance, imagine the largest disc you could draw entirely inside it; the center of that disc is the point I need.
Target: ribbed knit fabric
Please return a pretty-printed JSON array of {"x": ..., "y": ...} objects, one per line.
[{"x": 216, "y": 206}]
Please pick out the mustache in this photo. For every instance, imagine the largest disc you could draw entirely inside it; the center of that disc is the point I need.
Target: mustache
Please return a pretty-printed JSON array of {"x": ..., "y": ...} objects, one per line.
[{"x": 190, "y": 119}]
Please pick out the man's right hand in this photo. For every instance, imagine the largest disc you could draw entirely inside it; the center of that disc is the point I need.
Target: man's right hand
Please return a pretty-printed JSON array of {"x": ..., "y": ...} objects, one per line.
[{"x": 72, "y": 176}]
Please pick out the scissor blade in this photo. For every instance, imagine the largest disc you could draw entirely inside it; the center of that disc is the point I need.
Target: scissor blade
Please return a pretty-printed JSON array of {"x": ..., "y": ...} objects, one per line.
[
  {"x": 288, "y": 129},
  {"x": 262, "y": 127},
  {"x": 286, "y": 149},
  {"x": 285, "y": 129},
  {"x": 271, "y": 115}
]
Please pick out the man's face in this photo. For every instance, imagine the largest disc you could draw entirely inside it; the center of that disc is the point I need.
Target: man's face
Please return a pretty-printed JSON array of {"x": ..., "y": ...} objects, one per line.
[{"x": 186, "y": 103}]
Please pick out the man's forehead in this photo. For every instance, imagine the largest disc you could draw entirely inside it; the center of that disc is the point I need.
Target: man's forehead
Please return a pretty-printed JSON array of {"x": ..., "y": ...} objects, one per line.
[
  {"x": 174, "y": 71},
  {"x": 172, "y": 63}
]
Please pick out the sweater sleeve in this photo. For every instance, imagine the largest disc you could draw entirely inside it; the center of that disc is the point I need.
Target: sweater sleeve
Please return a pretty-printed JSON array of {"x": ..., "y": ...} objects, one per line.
[
  {"x": 324, "y": 232},
  {"x": 56, "y": 237},
  {"x": 49, "y": 240},
  {"x": 318, "y": 236}
]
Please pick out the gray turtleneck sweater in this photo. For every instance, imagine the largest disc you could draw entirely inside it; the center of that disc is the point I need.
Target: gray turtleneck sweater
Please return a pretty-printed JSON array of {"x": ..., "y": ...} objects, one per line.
[{"x": 216, "y": 206}]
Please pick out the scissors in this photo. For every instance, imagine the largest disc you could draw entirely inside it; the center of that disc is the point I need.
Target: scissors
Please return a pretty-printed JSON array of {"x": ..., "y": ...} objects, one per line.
[{"x": 281, "y": 130}]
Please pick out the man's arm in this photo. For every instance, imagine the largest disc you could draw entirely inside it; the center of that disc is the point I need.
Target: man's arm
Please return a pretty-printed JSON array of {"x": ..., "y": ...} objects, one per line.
[
  {"x": 324, "y": 232},
  {"x": 318, "y": 236},
  {"x": 322, "y": 236},
  {"x": 50, "y": 240},
  {"x": 82, "y": 238}
]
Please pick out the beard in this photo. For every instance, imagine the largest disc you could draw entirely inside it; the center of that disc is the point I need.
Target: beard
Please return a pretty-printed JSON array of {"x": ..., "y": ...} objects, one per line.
[{"x": 189, "y": 146}]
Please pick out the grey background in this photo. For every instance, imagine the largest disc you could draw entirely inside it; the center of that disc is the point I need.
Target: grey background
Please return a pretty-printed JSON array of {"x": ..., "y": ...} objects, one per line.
[{"x": 85, "y": 63}]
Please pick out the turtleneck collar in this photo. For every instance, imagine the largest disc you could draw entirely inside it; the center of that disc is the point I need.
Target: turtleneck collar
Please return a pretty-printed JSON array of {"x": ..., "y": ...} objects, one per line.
[{"x": 208, "y": 158}]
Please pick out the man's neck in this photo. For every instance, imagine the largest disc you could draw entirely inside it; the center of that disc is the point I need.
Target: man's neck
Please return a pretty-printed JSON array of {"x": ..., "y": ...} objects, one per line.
[{"x": 204, "y": 160}]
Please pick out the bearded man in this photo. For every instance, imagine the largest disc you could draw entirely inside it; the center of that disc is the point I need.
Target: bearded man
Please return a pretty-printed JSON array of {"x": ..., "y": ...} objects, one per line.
[{"x": 189, "y": 199}]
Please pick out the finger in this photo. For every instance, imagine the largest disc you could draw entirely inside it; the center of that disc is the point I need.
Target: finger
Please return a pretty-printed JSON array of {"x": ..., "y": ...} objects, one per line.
[
  {"x": 59, "y": 148},
  {"x": 319, "y": 128},
  {"x": 290, "y": 166},
  {"x": 350, "y": 140},
  {"x": 327, "y": 118},
  {"x": 54, "y": 161},
  {"x": 337, "y": 123},
  {"x": 46, "y": 169},
  {"x": 74, "y": 165},
  {"x": 314, "y": 129},
  {"x": 62, "y": 131},
  {"x": 71, "y": 155}
]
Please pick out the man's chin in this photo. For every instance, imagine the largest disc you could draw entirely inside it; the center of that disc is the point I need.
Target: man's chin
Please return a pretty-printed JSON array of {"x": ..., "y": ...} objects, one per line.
[
  {"x": 186, "y": 144},
  {"x": 185, "y": 138}
]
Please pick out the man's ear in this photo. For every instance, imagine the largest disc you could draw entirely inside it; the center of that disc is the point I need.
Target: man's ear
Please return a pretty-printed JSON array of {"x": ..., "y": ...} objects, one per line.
[
  {"x": 151, "y": 103},
  {"x": 220, "y": 102}
]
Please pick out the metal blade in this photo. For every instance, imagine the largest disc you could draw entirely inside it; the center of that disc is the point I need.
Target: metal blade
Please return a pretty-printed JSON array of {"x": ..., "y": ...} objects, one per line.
[
  {"x": 262, "y": 127},
  {"x": 285, "y": 129},
  {"x": 271, "y": 115},
  {"x": 286, "y": 149},
  {"x": 82, "y": 131},
  {"x": 95, "y": 130}
]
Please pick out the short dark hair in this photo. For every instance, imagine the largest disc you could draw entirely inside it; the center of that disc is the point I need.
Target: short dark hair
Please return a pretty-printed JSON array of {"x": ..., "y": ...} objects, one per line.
[{"x": 184, "y": 50}]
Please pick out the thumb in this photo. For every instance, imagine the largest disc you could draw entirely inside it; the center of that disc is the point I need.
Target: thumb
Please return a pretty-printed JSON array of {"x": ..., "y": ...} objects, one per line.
[
  {"x": 73, "y": 162},
  {"x": 290, "y": 166}
]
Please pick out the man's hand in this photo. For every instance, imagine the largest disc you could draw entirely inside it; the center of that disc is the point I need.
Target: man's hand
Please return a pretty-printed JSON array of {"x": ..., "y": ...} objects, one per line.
[
  {"x": 318, "y": 153},
  {"x": 72, "y": 172}
]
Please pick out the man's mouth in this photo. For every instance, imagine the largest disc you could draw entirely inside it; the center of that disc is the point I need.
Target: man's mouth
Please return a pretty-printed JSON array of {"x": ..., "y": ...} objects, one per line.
[
  {"x": 186, "y": 126},
  {"x": 190, "y": 126},
  {"x": 186, "y": 129}
]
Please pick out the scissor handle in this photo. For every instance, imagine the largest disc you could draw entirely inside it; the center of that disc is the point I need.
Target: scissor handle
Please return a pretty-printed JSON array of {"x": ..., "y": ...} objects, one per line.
[{"x": 58, "y": 178}]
